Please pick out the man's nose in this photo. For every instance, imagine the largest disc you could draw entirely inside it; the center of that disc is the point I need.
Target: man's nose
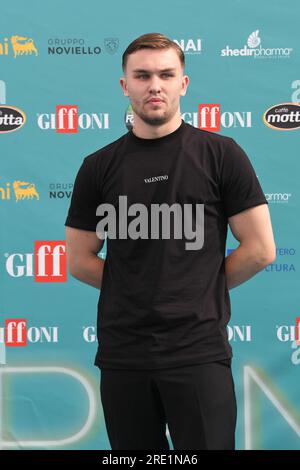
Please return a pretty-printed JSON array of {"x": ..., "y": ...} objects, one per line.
[{"x": 155, "y": 85}]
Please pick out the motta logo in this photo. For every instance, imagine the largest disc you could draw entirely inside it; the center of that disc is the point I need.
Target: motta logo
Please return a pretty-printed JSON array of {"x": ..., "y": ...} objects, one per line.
[
  {"x": 67, "y": 120},
  {"x": 11, "y": 119},
  {"x": 20, "y": 45},
  {"x": 47, "y": 264},
  {"x": 283, "y": 117},
  {"x": 17, "y": 334},
  {"x": 21, "y": 189}
]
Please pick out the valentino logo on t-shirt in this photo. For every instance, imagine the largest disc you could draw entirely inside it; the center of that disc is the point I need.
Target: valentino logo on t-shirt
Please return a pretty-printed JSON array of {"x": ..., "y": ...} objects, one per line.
[{"x": 153, "y": 179}]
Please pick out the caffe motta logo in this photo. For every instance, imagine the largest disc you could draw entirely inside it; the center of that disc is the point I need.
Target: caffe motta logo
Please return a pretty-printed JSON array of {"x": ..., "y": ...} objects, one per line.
[
  {"x": 11, "y": 119},
  {"x": 283, "y": 117},
  {"x": 18, "y": 46}
]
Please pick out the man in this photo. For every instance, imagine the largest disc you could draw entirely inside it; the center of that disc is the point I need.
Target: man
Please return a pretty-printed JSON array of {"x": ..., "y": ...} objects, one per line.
[{"x": 164, "y": 305}]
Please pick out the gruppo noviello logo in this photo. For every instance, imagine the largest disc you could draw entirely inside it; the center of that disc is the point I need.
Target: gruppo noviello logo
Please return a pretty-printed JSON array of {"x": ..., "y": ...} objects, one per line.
[
  {"x": 18, "y": 45},
  {"x": 254, "y": 49}
]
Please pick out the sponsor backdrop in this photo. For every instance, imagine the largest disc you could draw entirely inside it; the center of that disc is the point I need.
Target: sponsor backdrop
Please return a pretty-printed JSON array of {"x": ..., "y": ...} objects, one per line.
[{"x": 60, "y": 101}]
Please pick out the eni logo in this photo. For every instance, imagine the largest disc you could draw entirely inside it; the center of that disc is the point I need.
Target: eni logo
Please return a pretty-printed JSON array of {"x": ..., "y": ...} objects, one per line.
[
  {"x": 24, "y": 190},
  {"x": 20, "y": 44}
]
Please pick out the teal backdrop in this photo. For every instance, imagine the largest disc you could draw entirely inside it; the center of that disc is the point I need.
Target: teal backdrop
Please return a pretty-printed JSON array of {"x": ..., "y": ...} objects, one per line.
[{"x": 60, "y": 62}]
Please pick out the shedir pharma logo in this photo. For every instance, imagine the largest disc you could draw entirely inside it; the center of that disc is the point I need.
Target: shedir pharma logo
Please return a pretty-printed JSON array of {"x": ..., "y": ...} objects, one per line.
[
  {"x": 18, "y": 46},
  {"x": 254, "y": 49},
  {"x": 11, "y": 119},
  {"x": 283, "y": 117}
]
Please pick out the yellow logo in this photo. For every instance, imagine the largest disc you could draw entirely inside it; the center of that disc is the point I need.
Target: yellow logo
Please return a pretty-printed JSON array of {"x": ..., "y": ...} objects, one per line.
[
  {"x": 25, "y": 190},
  {"x": 20, "y": 44},
  {"x": 22, "y": 189}
]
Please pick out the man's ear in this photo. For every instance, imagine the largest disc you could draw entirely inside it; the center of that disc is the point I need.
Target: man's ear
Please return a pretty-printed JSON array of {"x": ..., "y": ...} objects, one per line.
[
  {"x": 124, "y": 86},
  {"x": 184, "y": 85}
]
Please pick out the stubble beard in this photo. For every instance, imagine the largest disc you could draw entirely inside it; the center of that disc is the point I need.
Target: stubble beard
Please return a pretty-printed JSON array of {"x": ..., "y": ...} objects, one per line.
[{"x": 155, "y": 120}]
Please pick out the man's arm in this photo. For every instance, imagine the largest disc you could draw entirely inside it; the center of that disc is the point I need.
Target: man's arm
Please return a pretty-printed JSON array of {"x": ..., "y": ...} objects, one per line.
[
  {"x": 83, "y": 247},
  {"x": 253, "y": 229}
]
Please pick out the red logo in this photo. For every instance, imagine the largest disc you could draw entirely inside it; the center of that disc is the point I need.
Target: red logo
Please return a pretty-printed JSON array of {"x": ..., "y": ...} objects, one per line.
[
  {"x": 209, "y": 117},
  {"x": 298, "y": 331},
  {"x": 50, "y": 261},
  {"x": 16, "y": 332},
  {"x": 66, "y": 119}
]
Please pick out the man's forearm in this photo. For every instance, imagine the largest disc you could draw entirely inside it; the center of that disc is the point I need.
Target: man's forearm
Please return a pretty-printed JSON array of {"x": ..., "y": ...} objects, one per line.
[
  {"x": 89, "y": 271},
  {"x": 241, "y": 265}
]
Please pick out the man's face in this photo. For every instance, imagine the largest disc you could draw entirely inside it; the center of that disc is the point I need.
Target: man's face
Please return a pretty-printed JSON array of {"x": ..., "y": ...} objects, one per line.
[{"x": 154, "y": 82}]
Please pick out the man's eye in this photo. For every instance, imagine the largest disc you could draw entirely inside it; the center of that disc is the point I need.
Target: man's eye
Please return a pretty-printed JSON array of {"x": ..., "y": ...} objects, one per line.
[
  {"x": 167, "y": 75},
  {"x": 142, "y": 76}
]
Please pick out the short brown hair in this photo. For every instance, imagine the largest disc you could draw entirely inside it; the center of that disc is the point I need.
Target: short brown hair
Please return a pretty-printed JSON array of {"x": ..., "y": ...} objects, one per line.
[{"x": 152, "y": 41}]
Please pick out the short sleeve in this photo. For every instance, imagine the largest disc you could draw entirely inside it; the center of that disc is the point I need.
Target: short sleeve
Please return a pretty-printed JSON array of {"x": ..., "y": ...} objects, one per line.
[
  {"x": 85, "y": 198},
  {"x": 240, "y": 188}
]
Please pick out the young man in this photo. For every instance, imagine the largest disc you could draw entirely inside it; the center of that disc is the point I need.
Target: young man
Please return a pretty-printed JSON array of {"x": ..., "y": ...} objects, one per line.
[{"x": 164, "y": 305}]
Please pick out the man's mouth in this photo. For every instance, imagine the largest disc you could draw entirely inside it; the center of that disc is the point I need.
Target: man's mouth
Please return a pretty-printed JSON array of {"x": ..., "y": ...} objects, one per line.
[{"x": 155, "y": 100}]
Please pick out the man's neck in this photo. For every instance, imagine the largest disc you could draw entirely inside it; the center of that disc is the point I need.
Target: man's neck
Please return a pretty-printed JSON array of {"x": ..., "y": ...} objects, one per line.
[{"x": 146, "y": 131}]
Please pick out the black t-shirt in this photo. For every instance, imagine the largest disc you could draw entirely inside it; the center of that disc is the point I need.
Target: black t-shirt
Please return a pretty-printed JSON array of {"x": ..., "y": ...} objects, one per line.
[{"x": 162, "y": 305}]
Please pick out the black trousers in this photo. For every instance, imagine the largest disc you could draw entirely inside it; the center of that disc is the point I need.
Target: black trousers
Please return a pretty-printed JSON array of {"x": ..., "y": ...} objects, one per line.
[{"x": 197, "y": 402}]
